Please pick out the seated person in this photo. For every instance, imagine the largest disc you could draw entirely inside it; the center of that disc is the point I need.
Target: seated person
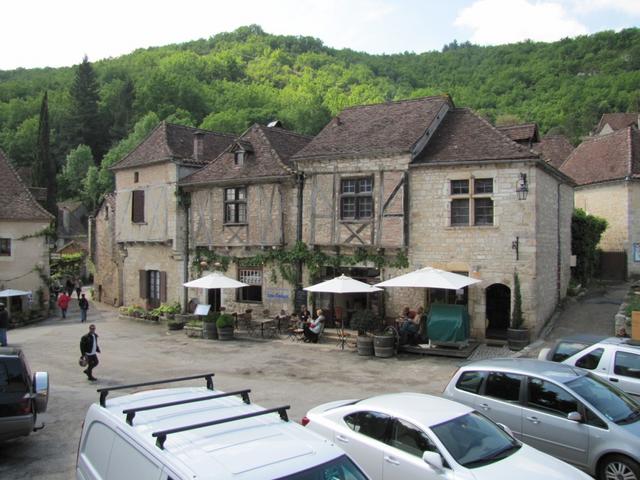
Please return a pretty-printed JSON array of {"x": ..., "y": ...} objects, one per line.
[
  {"x": 304, "y": 316},
  {"x": 313, "y": 329},
  {"x": 409, "y": 328}
]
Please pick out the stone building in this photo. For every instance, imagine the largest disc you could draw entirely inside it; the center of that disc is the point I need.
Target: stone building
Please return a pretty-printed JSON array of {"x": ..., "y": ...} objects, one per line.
[
  {"x": 606, "y": 168},
  {"x": 245, "y": 202},
  {"x": 24, "y": 251},
  {"x": 554, "y": 149},
  {"x": 105, "y": 254},
  {"x": 611, "y": 122},
  {"x": 441, "y": 184},
  {"x": 150, "y": 224}
]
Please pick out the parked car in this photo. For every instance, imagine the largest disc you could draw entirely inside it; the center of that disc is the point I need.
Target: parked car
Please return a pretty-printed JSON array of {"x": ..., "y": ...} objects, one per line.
[
  {"x": 188, "y": 433},
  {"x": 22, "y": 395},
  {"x": 615, "y": 359},
  {"x": 562, "y": 410},
  {"x": 408, "y": 436}
]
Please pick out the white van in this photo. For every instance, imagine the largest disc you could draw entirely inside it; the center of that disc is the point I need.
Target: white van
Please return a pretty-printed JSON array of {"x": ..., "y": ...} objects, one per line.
[{"x": 201, "y": 433}]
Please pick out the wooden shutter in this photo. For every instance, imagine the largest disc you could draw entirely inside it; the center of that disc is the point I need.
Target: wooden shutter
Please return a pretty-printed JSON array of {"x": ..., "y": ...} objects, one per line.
[
  {"x": 137, "y": 206},
  {"x": 163, "y": 287},
  {"x": 142, "y": 275}
]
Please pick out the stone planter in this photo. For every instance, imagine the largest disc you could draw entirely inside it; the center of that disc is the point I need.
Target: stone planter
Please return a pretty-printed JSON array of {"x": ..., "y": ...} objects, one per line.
[
  {"x": 194, "y": 332},
  {"x": 175, "y": 325},
  {"x": 209, "y": 330},
  {"x": 517, "y": 338},
  {"x": 364, "y": 345},
  {"x": 384, "y": 346},
  {"x": 225, "y": 333}
]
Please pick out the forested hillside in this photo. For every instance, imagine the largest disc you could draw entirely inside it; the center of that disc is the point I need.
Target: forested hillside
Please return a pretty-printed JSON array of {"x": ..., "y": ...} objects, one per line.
[{"x": 231, "y": 80}]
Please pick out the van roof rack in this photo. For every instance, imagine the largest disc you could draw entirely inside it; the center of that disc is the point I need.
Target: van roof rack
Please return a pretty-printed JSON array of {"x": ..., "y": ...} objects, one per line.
[
  {"x": 131, "y": 412},
  {"x": 105, "y": 391},
  {"x": 161, "y": 435}
]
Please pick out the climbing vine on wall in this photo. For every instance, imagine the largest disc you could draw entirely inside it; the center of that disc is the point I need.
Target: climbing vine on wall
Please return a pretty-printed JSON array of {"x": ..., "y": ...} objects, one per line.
[{"x": 284, "y": 261}]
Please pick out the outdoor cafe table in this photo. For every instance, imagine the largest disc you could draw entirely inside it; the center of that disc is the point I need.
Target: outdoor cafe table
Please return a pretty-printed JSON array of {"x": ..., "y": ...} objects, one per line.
[{"x": 262, "y": 322}]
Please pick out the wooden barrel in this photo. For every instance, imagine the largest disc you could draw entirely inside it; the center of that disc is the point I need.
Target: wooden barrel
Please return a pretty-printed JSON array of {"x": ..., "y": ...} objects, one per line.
[
  {"x": 365, "y": 345},
  {"x": 209, "y": 330},
  {"x": 517, "y": 338},
  {"x": 225, "y": 333},
  {"x": 383, "y": 346}
]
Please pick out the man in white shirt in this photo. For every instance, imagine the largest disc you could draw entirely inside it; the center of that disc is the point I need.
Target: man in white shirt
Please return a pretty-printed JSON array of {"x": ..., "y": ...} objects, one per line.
[{"x": 90, "y": 349}]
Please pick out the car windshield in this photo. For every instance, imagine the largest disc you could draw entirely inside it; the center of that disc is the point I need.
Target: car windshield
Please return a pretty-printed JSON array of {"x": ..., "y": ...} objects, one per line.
[
  {"x": 473, "y": 440},
  {"x": 615, "y": 405},
  {"x": 341, "y": 468}
]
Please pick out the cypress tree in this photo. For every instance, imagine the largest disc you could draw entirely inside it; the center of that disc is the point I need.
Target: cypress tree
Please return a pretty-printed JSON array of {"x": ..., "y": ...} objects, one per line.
[
  {"x": 45, "y": 169},
  {"x": 86, "y": 123}
]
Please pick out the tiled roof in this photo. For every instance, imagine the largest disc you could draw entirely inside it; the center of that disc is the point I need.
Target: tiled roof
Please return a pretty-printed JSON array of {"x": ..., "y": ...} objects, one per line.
[
  {"x": 385, "y": 128},
  {"x": 271, "y": 150},
  {"x": 464, "y": 136},
  {"x": 617, "y": 121},
  {"x": 554, "y": 149},
  {"x": 168, "y": 142},
  {"x": 607, "y": 157},
  {"x": 16, "y": 202},
  {"x": 522, "y": 133}
]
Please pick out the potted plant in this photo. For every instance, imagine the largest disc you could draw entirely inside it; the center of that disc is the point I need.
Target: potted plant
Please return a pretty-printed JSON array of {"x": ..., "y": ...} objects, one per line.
[
  {"x": 517, "y": 333},
  {"x": 175, "y": 324},
  {"x": 194, "y": 329},
  {"x": 209, "y": 327},
  {"x": 364, "y": 321},
  {"x": 224, "y": 323}
]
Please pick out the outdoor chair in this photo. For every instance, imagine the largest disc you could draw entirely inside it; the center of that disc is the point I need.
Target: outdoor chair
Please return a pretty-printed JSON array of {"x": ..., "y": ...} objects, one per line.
[{"x": 245, "y": 323}]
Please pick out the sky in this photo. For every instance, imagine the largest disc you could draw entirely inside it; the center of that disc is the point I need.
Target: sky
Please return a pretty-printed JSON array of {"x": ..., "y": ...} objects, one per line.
[{"x": 40, "y": 33}]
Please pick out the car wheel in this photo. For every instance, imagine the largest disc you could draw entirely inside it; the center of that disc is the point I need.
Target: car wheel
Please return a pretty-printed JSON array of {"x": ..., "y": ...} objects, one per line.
[{"x": 618, "y": 467}]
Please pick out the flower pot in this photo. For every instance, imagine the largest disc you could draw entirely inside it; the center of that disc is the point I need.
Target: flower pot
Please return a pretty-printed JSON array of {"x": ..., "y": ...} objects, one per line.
[
  {"x": 173, "y": 325},
  {"x": 225, "y": 333},
  {"x": 365, "y": 345},
  {"x": 517, "y": 338},
  {"x": 209, "y": 330},
  {"x": 383, "y": 346},
  {"x": 194, "y": 332}
]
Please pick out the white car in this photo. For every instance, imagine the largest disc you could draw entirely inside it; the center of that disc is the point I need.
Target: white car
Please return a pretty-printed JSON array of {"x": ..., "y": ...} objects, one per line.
[
  {"x": 201, "y": 433},
  {"x": 616, "y": 360},
  {"x": 408, "y": 436}
]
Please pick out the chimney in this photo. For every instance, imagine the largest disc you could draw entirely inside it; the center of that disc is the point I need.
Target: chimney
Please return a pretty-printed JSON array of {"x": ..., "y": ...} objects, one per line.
[{"x": 198, "y": 145}]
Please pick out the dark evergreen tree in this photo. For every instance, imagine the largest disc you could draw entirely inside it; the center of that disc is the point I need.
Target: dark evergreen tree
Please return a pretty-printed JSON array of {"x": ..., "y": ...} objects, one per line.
[
  {"x": 45, "y": 169},
  {"x": 122, "y": 111},
  {"x": 87, "y": 126}
]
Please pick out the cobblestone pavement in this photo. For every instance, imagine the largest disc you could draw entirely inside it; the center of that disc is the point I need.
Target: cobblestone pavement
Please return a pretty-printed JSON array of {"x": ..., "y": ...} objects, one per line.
[{"x": 277, "y": 371}]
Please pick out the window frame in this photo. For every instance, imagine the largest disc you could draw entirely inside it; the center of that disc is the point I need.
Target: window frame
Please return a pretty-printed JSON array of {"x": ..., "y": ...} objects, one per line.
[
  {"x": 5, "y": 247},
  {"x": 487, "y": 378},
  {"x": 242, "y": 293},
  {"x": 471, "y": 202},
  {"x": 137, "y": 206},
  {"x": 617, "y": 367},
  {"x": 236, "y": 202},
  {"x": 540, "y": 407},
  {"x": 362, "y": 199},
  {"x": 388, "y": 421}
]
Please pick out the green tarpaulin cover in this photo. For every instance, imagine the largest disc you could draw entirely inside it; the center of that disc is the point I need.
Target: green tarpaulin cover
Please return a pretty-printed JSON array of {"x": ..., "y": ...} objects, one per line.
[{"x": 448, "y": 323}]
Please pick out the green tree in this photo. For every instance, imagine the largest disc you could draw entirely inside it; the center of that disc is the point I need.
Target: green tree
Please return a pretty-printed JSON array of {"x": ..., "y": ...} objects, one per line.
[
  {"x": 87, "y": 127},
  {"x": 45, "y": 168},
  {"x": 77, "y": 164},
  {"x": 586, "y": 232}
]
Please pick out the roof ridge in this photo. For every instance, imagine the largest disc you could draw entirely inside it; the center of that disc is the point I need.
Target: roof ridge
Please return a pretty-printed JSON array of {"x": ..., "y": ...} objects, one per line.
[
  {"x": 4, "y": 156},
  {"x": 283, "y": 131},
  {"x": 139, "y": 144},
  {"x": 444, "y": 96},
  {"x": 197, "y": 129}
]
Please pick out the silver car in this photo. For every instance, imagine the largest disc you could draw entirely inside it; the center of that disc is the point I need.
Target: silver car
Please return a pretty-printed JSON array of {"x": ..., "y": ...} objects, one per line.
[{"x": 562, "y": 410}]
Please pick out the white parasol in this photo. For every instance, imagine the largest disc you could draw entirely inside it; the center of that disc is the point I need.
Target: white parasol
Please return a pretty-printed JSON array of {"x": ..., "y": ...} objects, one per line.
[
  {"x": 215, "y": 280},
  {"x": 429, "y": 277}
]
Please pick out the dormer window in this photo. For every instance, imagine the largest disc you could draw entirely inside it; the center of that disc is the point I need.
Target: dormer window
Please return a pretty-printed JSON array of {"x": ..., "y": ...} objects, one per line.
[{"x": 238, "y": 158}]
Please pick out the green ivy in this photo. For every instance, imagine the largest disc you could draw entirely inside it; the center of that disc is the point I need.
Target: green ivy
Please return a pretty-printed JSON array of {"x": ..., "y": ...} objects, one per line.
[
  {"x": 586, "y": 232},
  {"x": 286, "y": 260}
]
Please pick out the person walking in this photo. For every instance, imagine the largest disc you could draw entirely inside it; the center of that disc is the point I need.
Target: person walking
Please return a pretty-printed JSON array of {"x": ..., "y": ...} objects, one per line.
[
  {"x": 89, "y": 349},
  {"x": 78, "y": 287},
  {"x": 83, "y": 303},
  {"x": 68, "y": 287},
  {"x": 4, "y": 325},
  {"x": 63, "y": 303}
]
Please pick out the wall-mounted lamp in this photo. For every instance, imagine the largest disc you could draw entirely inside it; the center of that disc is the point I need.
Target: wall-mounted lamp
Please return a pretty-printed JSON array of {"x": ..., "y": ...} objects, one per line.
[
  {"x": 515, "y": 245},
  {"x": 522, "y": 187}
]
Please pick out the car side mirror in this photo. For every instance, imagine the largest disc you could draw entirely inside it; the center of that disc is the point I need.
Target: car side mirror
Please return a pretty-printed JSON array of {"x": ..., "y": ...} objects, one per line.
[
  {"x": 574, "y": 417},
  {"x": 433, "y": 459},
  {"x": 41, "y": 387},
  {"x": 506, "y": 429}
]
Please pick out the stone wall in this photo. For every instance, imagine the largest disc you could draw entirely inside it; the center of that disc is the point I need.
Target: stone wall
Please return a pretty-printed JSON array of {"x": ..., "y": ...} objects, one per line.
[
  {"x": 106, "y": 282},
  {"x": 633, "y": 264}
]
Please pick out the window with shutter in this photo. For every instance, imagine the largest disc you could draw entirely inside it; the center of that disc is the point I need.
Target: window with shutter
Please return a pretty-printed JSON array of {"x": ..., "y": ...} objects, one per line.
[
  {"x": 137, "y": 206},
  {"x": 163, "y": 287}
]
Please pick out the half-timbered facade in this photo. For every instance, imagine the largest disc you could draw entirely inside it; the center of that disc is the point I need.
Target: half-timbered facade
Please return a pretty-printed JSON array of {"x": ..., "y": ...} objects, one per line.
[
  {"x": 150, "y": 225},
  {"x": 242, "y": 203}
]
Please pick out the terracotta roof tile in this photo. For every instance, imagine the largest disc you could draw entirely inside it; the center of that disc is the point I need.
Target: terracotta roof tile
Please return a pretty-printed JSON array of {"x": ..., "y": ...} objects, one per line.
[
  {"x": 464, "y": 136},
  {"x": 617, "y": 121},
  {"x": 270, "y": 153},
  {"x": 608, "y": 157},
  {"x": 522, "y": 133},
  {"x": 554, "y": 149},
  {"x": 385, "y": 128},
  {"x": 168, "y": 142},
  {"x": 16, "y": 202}
]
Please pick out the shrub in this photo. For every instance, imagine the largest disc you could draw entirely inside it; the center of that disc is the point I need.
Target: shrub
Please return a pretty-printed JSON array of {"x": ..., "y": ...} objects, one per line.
[
  {"x": 195, "y": 323},
  {"x": 634, "y": 304},
  {"x": 211, "y": 317},
  {"x": 224, "y": 320},
  {"x": 364, "y": 321},
  {"x": 517, "y": 318},
  {"x": 165, "y": 309}
]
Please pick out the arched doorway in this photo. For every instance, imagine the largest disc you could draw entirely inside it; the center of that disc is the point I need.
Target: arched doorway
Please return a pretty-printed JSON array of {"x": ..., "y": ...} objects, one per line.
[{"x": 498, "y": 302}]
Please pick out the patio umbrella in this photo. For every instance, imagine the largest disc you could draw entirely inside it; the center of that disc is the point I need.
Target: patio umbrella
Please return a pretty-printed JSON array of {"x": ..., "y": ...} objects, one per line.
[
  {"x": 13, "y": 293},
  {"x": 342, "y": 284},
  {"x": 215, "y": 280},
  {"x": 429, "y": 277}
]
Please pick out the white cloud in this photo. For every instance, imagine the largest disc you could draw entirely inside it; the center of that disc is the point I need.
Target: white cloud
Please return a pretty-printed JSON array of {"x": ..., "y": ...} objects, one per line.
[
  {"x": 631, "y": 7},
  {"x": 496, "y": 22}
]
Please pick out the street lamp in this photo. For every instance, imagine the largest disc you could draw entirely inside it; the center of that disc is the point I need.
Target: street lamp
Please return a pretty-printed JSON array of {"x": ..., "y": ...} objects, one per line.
[{"x": 522, "y": 187}]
